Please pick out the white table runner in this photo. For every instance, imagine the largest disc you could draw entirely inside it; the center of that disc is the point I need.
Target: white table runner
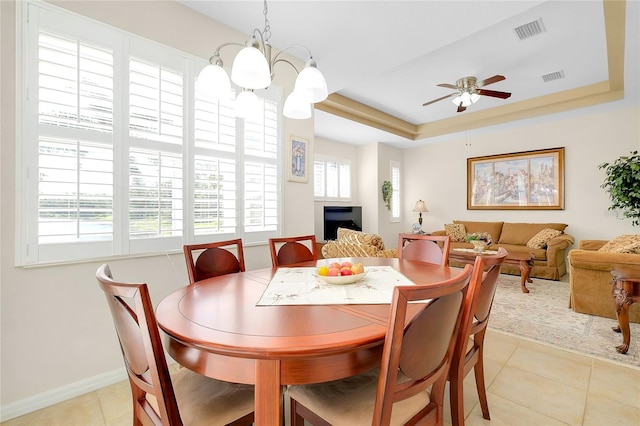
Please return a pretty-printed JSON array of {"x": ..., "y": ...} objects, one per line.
[{"x": 301, "y": 286}]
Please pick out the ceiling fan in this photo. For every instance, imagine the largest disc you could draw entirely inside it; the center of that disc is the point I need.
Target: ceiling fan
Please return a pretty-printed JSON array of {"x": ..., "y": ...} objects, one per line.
[{"x": 468, "y": 91}]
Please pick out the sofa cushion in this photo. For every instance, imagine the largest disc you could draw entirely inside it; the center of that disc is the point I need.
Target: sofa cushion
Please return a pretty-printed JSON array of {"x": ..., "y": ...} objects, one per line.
[
  {"x": 455, "y": 231},
  {"x": 540, "y": 240},
  {"x": 622, "y": 244},
  {"x": 521, "y": 233},
  {"x": 349, "y": 235},
  {"x": 538, "y": 254},
  {"x": 494, "y": 228}
]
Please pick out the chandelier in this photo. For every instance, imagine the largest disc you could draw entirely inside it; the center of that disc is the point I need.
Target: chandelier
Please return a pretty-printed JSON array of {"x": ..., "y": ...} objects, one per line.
[{"x": 253, "y": 68}]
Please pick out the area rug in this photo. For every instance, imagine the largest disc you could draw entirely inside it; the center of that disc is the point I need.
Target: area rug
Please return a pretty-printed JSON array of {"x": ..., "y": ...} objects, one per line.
[{"x": 543, "y": 316}]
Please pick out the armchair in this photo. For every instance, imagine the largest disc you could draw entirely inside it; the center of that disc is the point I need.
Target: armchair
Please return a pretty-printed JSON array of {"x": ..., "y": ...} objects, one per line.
[{"x": 590, "y": 279}]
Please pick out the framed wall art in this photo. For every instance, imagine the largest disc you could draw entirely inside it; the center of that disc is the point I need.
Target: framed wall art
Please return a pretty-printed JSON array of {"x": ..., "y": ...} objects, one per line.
[
  {"x": 530, "y": 180},
  {"x": 297, "y": 159}
]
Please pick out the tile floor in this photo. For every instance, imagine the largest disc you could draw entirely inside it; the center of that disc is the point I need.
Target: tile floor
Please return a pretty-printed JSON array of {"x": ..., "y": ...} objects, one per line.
[{"x": 528, "y": 384}]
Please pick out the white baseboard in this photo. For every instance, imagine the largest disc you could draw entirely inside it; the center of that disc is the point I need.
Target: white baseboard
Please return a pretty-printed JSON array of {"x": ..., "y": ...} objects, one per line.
[{"x": 54, "y": 396}]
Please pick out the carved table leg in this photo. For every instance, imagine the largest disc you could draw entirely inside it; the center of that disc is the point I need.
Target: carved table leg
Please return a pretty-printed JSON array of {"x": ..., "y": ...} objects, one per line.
[
  {"x": 622, "y": 301},
  {"x": 525, "y": 274}
]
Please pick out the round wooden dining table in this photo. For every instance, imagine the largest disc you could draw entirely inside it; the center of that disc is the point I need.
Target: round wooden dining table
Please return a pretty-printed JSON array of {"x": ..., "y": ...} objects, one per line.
[{"x": 215, "y": 328}]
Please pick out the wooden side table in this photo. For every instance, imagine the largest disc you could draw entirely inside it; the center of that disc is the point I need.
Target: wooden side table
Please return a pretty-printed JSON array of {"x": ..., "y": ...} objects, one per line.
[{"x": 625, "y": 291}]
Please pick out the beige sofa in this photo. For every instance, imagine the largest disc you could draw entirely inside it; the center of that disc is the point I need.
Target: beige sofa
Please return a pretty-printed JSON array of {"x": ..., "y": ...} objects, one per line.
[
  {"x": 549, "y": 260},
  {"x": 350, "y": 243},
  {"x": 590, "y": 279}
]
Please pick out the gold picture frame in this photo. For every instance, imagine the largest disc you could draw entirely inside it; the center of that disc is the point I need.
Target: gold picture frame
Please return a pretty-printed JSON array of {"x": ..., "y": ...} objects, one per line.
[
  {"x": 528, "y": 180},
  {"x": 297, "y": 159}
]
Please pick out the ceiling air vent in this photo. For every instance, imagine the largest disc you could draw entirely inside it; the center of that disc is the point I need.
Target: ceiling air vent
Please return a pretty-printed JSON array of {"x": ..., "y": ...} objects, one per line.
[
  {"x": 553, "y": 76},
  {"x": 530, "y": 30}
]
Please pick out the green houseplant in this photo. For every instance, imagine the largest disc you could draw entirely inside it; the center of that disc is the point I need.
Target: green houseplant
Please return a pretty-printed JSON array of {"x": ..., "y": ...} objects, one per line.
[
  {"x": 622, "y": 182},
  {"x": 387, "y": 191}
]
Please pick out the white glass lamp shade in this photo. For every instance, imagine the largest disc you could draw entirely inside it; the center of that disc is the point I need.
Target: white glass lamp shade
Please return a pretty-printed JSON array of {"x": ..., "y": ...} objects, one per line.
[
  {"x": 297, "y": 105},
  {"x": 456, "y": 101},
  {"x": 474, "y": 97},
  {"x": 421, "y": 207},
  {"x": 213, "y": 81},
  {"x": 465, "y": 98},
  {"x": 247, "y": 105},
  {"x": 312, "y": 81},
  {"x": 250, "y": 69}
]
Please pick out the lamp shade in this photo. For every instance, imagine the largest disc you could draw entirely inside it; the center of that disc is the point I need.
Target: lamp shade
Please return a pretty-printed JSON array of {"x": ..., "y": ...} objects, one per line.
[
  {"x": 250, "y": 69},
  {"x": 312, "y": 81},
  {"x": 213, "y": 82},
  {"x": 247, "y": 104},
  {"x": 297, "y": 105},
  {"x": 421, "y": 207}
]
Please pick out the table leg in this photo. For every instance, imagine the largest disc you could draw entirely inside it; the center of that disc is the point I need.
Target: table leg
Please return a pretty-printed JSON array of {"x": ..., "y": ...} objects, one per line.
[
  {"x": 622, "y": 301},
  {"x": 268, "y": 393},
  {"x": 525, "y": 274}
]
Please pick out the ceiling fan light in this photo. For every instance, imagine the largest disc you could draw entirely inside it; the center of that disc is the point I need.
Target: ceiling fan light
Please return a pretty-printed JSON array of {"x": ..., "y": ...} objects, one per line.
[
  {"x": 456, "y": 101},
  {"x": 213, "y": 82},
  {"x": 250, "y": 69},
  {"x": 297, "y": 106},
  {"x": 474, "y": 97},
  {"x": 312, "y": 81},
  {"x": 247, "y": 105},
  {"x": 465, "y": 97}
]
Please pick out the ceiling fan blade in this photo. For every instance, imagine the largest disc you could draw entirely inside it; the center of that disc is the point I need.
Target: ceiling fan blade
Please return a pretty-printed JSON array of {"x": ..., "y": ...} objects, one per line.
[
  {"x": 490, "y": 80},
  {"x": 461, "y": 108},
  {"x": 448, "y": 86},
  {"x": 494, "y": 93},
  {"x": 439, "y": 99}
]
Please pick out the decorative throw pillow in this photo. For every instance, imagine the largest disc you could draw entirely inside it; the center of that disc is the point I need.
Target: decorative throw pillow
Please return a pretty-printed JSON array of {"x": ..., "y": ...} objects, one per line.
[
  {"x": 455, "y": 231},
  {"x": 623, "y": 244},
  {"x": 358, "y": 237},
  {"x": 540, "y": 240}
]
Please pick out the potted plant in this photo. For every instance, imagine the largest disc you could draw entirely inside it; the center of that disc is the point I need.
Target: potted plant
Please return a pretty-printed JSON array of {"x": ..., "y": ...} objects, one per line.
[
  {"x": 387, "y": 191},
  {"x": 622, "y": 182},
  {"x": 480, "y": 240}
]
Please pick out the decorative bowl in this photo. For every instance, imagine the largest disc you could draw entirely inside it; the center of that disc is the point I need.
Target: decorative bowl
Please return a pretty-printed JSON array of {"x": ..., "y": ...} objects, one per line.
[{"x": 343, "y": 279}]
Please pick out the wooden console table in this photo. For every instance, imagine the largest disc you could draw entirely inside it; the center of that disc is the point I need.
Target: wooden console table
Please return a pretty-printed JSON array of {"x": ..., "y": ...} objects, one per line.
[
  {"x": 625, "y": 291},
  {"x": 520, "y": 259}
]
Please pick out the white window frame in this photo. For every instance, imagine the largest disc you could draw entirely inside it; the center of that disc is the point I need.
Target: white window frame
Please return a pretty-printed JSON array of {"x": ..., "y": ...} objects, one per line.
[
  {"x": 395, "y": 175},
  {"x": 30, "y": 16},
  {"x": 340, "y": 162}
]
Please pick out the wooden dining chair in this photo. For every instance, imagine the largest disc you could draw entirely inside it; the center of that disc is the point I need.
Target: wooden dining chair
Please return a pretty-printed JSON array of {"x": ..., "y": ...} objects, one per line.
[
  {"x": 213, "y": 259},
  {"x": 289, "y": 250},
  {"x": 423, "y": 247},
  {"x": 187, "y": 396},
  {"x": 409, "y": 385},
  {"x": 469, "y": 350}
]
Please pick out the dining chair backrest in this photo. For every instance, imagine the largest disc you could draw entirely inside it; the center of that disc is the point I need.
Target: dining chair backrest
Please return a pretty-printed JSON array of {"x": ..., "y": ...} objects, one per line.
[
  {"x": 213, "y": 259},
  {"x": 290, "y": 250},
  {"x": 425, "y": 248},
  {"x": 144, "y": 358},
  {"x": 467, "y": 355},
  {"x": 416, "y": 356},
  {"x": 420, "y": 348},
  {"x": 201, "y": 398}
]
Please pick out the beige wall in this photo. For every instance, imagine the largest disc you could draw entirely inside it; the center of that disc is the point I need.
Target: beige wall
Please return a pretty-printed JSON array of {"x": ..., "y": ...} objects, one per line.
[
  {"x": 56, "y": 334},
  {"x": 437, "y": 172},
  {"x": 57, "y": 337}
]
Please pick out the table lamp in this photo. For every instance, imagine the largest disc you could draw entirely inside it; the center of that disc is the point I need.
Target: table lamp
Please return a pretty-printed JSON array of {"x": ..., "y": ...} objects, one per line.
[{"x": 420, "y": 207}]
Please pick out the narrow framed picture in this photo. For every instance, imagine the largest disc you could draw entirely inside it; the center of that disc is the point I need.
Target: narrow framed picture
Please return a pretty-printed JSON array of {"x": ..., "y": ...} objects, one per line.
[{"x": 297, "y": 159}]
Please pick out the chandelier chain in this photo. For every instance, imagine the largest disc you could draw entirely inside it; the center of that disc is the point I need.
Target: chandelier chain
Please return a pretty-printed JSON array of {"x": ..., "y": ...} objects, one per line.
[{"x": 267, "y": 26}]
